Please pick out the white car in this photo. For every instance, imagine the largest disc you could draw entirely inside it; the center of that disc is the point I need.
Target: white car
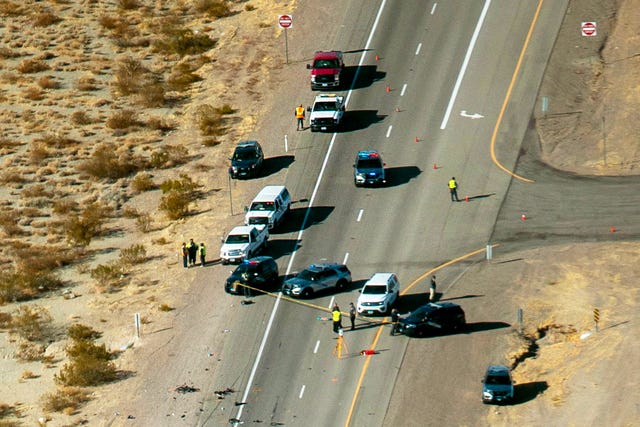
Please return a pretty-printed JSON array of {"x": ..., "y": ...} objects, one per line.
[{"x": 379, "y": 294}]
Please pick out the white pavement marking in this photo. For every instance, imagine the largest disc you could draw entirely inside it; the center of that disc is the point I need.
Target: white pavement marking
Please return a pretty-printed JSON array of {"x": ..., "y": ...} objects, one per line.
[
  {"x": 389, "y": 131},
  {"x": 263, "y": 343},
  {"x": 331, "y": 302},
  {"x": 346, "y": 258},
  {"x": 301, "y": 392},
  {"x": 465, "y": 64},
  {"x": 360, "y": 215},
  {"x": 433, "y": 8},
  {"x": 418, "y": 48},
  {"x": 315, "y": 349},
  {"x": 404, "y": 88}
]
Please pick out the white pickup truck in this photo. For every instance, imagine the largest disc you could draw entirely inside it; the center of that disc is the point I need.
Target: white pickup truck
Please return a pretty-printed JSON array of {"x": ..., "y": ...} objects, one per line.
[
  {"x": 326, "y": 113},
  {"x": 243, "y": 242}
]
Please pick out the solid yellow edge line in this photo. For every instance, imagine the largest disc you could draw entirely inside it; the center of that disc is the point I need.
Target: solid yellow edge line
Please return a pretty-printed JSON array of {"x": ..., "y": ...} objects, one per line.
[
  {"x": 508, "y": 96},
  {"x": 379, "y": 332}
]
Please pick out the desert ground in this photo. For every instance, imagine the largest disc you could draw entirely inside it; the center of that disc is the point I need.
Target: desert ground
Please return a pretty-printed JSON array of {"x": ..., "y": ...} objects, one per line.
[{"x": 86, "y": 83}]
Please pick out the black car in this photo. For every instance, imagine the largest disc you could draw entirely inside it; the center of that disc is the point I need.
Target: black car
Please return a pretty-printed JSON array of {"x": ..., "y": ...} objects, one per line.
[
  {"x": 433, "y": 319},
  {"x": 497, "y": 385},
  {"x": 247, "y": 160},
  {"x": 368, "y": 169},
  {"x": 259, "y": 272}
]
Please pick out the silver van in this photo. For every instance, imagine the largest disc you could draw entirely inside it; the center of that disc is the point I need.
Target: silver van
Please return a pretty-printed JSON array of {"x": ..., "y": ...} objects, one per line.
[{"x": 269, "y": 206}]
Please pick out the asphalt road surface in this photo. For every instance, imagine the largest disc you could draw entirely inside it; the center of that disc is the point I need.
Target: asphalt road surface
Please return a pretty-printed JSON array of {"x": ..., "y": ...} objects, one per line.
[{"x": 432, "y": 98}]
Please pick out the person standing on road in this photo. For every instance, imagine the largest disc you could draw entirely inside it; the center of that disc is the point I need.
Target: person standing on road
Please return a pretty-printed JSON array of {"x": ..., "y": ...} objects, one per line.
[
  {"x": 453, "y": 189},
  {"x": 432, "y": 289},
  {"x": 193, "y": 252},
  {"x": 185, "y": 255},
  {"x": 337, "y": 318},
  {"x": 300, "y": 116},
  {"x": 203, "y": 254},
  {"x": 352, "y": 315},
  {"x": 395, "y": 316}
]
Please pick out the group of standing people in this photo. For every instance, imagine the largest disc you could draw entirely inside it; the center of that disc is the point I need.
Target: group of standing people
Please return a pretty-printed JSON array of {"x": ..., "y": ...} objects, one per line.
[
  {"x": 336, "y": 316},
  {"x": 190, "y": 252}
]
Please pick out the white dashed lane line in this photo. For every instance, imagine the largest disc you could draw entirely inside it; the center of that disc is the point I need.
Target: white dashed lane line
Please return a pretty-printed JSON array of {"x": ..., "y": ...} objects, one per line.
[
  {"x": 389, "y": 131},
  {"x": 433, "y": 8},
  {"x": 418, "y": 48},
  {"x": 301, "y": 392},
  {"x": 360, "y": 215},
  {"x": 315, "y": 349},
  {"x": 346, "y": 258},
  {"x": 404, "y": 88}
]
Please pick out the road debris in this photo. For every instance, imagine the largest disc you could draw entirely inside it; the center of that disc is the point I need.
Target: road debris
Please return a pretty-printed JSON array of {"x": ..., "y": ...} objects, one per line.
[
  {"x": 184, "y": 388},
  {"x": 220, "y": 394}
]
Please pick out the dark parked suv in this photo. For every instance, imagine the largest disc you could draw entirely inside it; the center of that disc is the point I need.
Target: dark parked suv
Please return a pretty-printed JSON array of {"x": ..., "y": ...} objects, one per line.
[
  {"x": 433, "y": 319},
  {"x": 259, "y": 272},
  {"x": 497, "y": 385},
  {"x": 247, "y": 159}
]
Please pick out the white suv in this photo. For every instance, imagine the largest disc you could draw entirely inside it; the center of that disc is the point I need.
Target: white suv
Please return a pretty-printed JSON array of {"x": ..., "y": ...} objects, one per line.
[{"x": 379, "y": 294}]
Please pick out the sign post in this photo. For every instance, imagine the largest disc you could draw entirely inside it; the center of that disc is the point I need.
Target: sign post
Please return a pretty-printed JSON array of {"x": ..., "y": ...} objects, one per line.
[
  {"x": 285, "y": 22},
  {"x": 596, "y": 317},
  {"x": 589, "y": 29}
]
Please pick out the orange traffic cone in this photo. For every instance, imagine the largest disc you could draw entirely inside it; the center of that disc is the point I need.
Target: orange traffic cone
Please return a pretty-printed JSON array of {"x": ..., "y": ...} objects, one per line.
[
  {"x": 388, "y": 88},
  {"x": 612, "y": 229},
  {"x": 416, "y": 139},
  {"x": 435, "y": 166},
  {"x": 466, "y": 199},
  {"x": 523, "y": 217},
  {"x": 377, "y": 58}
]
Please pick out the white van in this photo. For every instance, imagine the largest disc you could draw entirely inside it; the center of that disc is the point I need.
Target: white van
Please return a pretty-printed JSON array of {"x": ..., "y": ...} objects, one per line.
[
  {"x": 379, "y": 294},
  {"x": 269, "y": 206}
]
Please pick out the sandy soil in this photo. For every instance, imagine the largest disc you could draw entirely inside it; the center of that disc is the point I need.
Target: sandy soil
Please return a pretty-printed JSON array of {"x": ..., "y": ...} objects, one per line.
[{"x": 592, "y": 105}]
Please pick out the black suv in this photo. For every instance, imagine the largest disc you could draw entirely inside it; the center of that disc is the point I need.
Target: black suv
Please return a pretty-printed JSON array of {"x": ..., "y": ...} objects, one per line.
[
  {"x": 368, "y": 169},
  {"x": 247, "y": 159},
  {"x": 497, "y": 385},
  {"x": 259, "y": 272},
  {"x": 433, "y": 319}
]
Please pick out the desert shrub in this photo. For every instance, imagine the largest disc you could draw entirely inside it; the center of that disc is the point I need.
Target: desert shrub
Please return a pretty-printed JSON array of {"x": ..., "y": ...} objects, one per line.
[
  {"x": 162, "y": 125},
  {"x": 165, "y": 307},
  {"x": 48, "y": 82},
  {"x": 105, "y": 163},
  {"x": 152, "y": 96},
  {"x": 26, "y": 285},
  {"x": 182, "y": 41},
  {"x": 30, "y": 351},
  {"x": 108, "y": 22},
  {"x": 39, "y": 259},
  {"x": 86, "y": 84},
  {"x": 33, "y": 93},
  {"x": 32, "y": 323},
  {"x": 169, "y": 156},
  {"x": 178, "y": 194},
  {"x": 65, "y": 399},
  {"x": 122, "y": 119},
  {"x": 36, "y": 190},
  {"x": 134, "y": 254},
  {"x": 29, "y": 66},
  {"x": 37, "y": 153},
  {"x": 9, "y": 224},
  {"x": 81, "y": 118},
  {"x": 249, "y": 7},
  {"x": 129, "y": 76},
  {"x": 79, "y": 332},
  {"x": 108, "y": 277},
  {"x": 211, "y": 142},
  {"x": 79, "y": 229},
  {"x": 5, "y": 320},
  {"x": 128, "y": 4},
  {"x": 213, "y": 8},
  {"x": 44, "y": 19},
  {"x": 181, "y": 77},
  {"x": 142, "y": 182},
  {"x": 209, "y": 120},
  {"x": 65, "y": 206},
  {"x": 143, "y": 222},
  {"x": 90, "y": 364},
  {"x": 12, "y": 176},
  {"x": 8, "y": 53},
  {"x": 225, "y": 109},
  {"x": 57, "y": 141}
]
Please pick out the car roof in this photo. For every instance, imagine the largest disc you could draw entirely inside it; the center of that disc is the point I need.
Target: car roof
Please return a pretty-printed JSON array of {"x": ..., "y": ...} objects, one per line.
[
  {"x": 498, "y": 370},
  {"x": 258, "y": 260},
  {"x": 323, "y": 266},
  {"x": 247, "y": 144},
  {"x": 368, "y": 154},
  {"x": 269, "y": 192},
  {"x": 379, "y": 279},
  {"x": 333, "y": 54}
]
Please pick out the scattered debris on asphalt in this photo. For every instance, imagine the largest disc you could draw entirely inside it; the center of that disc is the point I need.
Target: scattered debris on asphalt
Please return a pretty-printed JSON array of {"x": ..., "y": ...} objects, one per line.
[
  {"x": 184, "y": 388},
  {"x": 220, "y": 394}
]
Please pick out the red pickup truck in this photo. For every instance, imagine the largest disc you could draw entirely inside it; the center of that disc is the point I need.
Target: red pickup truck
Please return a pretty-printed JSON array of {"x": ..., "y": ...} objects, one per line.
[{"x": 327, "y": 70}]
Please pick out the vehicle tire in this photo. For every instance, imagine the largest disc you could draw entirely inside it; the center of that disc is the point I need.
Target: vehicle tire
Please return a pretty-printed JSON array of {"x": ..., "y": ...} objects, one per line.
[
  {"x": 225, "y": 261},
  {"x": 341, "y": 285},
  {"x": 307, "y": 293}
]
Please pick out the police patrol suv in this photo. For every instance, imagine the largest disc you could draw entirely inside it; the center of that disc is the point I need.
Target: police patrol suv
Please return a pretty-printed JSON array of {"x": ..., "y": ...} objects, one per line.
[
  {"x": 326, "y": 113},
  {"x": 368, "y": 169}
]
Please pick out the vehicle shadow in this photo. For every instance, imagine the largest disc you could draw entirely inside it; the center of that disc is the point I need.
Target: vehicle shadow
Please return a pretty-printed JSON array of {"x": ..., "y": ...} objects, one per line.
[
  {"x": 526, "y": 392},
  {"x": 359, "y": 119},
  {"x": 295, "y": 217},
  {"x": 401, "y": 175},
  {"x": 408, "y": 303},
  {"x": 278, "y": 248},
  {"x": 273, "y": 165},
  {"x": 438, "y": 295},
  {"x": 367, "y": 75},
  {"x": 469, "y": 328}
]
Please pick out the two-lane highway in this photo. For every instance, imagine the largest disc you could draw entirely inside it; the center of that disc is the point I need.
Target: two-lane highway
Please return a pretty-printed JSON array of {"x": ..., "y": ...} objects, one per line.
[{"x": 433, "y": 58}]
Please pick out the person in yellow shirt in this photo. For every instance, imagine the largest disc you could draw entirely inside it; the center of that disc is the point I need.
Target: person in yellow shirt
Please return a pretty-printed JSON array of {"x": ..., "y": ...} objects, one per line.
[
  {"x": 337, "y": 318},
  {"x": 453, "y": 189},
  {"x": 300, "y": 116}
]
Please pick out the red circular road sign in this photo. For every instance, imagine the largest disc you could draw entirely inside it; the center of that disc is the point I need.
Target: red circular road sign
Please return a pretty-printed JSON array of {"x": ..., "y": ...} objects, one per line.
[
  {"x": 285, "y": 21},
  {"x": 589, "y": 29}
]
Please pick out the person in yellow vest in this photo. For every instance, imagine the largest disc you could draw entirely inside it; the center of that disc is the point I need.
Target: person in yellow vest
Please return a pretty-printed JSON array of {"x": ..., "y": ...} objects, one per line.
[
  {"x": 337, "y": 318},
  {"x": 453, "y": 189},
  {"x": 300, "y": 117}
]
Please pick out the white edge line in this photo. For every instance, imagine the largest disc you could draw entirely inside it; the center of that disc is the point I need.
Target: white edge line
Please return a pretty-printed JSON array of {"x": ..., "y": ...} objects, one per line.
[
  {"x": 263, "y": 343},
  {"x": 465, "y": 63}
]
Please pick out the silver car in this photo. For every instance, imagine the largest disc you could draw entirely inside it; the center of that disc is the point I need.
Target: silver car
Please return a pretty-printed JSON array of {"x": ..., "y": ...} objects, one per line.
[{"x": 317, "y": 278}]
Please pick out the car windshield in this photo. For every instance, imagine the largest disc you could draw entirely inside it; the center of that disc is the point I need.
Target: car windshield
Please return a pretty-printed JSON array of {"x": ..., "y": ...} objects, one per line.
[
  {"x": 325, "y": 106},
  {"x": 498, "y": 380},
  {"x": 244, "y": 155},
  {"x": 326, "y": 63},
  {"x": 238, "y": 238},
  {"x": 308, "y": 275},
  {"x": 263, "y": 206},
  {"x": 374, "y": 290},
  {"x": 369, "y": 164},
  {"x": 245, "y": 268}
]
